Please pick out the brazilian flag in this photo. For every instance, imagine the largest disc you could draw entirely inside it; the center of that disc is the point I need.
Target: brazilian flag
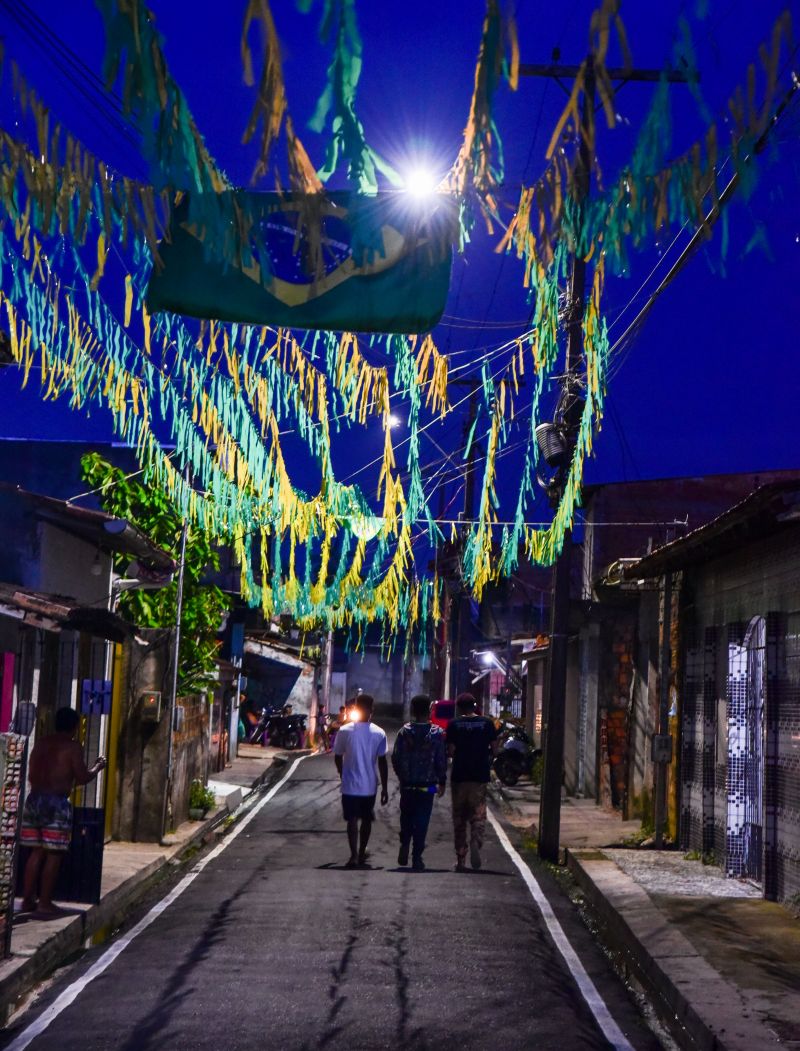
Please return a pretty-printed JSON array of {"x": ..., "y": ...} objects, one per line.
[{"x": 335, "y": 261}]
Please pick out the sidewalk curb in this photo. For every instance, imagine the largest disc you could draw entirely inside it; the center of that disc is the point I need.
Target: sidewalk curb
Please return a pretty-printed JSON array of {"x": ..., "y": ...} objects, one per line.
[
  {"x": 502, "y": 797},
  {"x": 111, "y": 910},
  {"x": 700, "y": 1008}
]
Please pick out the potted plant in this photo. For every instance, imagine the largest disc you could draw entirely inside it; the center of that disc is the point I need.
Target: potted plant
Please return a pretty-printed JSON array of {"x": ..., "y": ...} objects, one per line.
[{"x": 201, "y": 800}]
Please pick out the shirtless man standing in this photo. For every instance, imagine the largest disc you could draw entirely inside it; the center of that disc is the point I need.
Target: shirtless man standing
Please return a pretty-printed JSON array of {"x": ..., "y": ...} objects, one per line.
[{"x": 56, "y": 767}]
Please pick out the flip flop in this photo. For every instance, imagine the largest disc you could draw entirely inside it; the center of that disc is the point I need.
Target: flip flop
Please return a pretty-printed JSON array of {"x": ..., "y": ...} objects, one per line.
[{"x": 53, "y": 914}]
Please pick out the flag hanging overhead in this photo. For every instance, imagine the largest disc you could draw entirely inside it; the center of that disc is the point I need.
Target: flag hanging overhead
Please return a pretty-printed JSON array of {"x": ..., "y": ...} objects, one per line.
[{"x": 335, "y": 261}]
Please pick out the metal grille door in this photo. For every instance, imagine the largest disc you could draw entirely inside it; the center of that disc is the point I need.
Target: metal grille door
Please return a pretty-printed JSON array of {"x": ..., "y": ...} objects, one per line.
[
  {"x": 745, "y": 774},
  {"x": 755, "y": 643}
]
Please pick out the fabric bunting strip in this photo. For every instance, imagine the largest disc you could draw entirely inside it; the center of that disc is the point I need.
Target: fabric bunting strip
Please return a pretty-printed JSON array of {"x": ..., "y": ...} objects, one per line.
[
  {"x": 223, "y": 396},
  {"x": 337, "y": 104},
  {"x": 474, "y": 175},
  {"x": 73, "y": 364}
]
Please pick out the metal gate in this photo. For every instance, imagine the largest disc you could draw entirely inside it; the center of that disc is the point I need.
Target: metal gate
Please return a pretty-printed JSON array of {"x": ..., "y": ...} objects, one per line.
[{"x": 745, "y": 774}]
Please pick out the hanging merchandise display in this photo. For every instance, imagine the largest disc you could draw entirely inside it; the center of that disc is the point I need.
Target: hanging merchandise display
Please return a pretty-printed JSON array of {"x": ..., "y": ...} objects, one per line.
[
  {"x": 13, "y": 753},
  {"x": 224, "y": 329}
]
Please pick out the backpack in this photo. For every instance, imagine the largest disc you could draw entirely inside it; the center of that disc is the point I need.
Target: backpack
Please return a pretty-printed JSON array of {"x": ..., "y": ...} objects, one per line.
[{"x": 414, "y": 758}]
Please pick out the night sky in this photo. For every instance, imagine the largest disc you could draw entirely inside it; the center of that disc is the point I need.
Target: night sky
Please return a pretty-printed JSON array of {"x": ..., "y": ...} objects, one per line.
[{"x": 710, "y": 384}]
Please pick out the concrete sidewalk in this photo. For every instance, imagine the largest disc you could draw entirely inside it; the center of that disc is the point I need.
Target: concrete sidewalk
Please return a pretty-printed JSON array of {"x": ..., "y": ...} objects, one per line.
[
  {"x": 38, "y": 947},
  {"x": 720, "y": 965}
]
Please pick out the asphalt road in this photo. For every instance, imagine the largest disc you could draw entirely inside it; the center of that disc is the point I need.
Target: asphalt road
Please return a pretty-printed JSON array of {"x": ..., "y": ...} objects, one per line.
[{"x": 276, "y": 945}]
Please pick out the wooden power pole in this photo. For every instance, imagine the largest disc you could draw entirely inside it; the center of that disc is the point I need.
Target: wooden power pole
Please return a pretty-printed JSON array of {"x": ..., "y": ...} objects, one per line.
[{"x": 556, "y": 683}]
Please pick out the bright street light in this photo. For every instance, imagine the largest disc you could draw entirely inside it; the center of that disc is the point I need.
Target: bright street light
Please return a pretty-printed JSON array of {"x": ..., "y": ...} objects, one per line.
[{"x": 420, "y": 182}]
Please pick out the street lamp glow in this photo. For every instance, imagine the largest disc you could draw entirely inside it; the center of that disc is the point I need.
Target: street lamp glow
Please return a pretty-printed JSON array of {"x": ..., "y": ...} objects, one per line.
[
  {"x": 420, "y": 182},
  {"x": 394, "y": 421}
]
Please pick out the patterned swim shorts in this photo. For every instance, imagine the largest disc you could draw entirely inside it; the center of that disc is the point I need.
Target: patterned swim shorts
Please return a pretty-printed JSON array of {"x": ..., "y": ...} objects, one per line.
[{"x": 46, "y": 821}]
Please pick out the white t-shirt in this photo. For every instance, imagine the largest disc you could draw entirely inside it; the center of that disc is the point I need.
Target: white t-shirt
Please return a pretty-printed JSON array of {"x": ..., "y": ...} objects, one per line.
[{"x": 359, "y": 745}]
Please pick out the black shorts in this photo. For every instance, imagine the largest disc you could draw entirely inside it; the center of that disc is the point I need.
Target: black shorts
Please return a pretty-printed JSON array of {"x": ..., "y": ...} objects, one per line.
[{"x": 361, "y": 807}]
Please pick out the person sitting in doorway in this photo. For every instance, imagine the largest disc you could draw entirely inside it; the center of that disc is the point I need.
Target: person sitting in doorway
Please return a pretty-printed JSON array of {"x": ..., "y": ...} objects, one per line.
[{"x": 56, "y": 767}]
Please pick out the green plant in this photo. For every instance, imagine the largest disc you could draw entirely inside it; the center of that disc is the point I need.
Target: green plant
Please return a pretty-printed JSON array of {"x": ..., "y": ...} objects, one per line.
[
  {"x": 637, "y": 838},
  {"x": 204, "y": 605},
  {"x": 537, "y": 769},
  {"x": 706, "y": 858},
  {"x": 201, "y": 796}
]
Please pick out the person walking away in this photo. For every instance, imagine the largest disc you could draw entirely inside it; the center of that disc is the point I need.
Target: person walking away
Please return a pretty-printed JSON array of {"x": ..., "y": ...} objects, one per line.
[
  {"x": 419, "y": 759},
  {"x": 56, "y": 767},
  {"x": 323, "y": 732},
  {"x": 471, "y": 742},
  {"x": 359, "y": 745}
]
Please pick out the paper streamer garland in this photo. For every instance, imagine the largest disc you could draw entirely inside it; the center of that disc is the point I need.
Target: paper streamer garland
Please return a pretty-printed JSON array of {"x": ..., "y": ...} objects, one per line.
[{"x": 221, "y": 395}]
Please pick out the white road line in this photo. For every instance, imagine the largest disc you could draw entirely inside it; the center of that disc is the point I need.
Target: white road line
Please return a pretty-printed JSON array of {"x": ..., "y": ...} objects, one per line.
[
  {"x": 36, "y": 1028},
  {"x": 597, "y": 1005}
]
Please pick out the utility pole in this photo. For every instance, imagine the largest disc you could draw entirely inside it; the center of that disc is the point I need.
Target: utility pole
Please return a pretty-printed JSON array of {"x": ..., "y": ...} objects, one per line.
[
  {"x": 555, "y": 701},
  {"x": 176, "y": 649},
  {"x": 555, "y": 690},
  {"x": 327, "y": 669}
]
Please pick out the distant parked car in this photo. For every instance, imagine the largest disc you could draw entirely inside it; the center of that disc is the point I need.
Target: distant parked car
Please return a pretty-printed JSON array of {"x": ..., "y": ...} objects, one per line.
[{"x": 442, "y": 713}]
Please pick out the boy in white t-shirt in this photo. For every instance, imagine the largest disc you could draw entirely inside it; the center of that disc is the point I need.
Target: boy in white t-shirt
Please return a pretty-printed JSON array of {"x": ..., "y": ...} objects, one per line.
[{"x": 357, "y": 747}]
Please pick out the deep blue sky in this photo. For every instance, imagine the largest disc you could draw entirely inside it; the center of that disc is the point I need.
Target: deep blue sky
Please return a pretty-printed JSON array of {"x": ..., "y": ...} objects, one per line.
[{"x": 711, "y": 383}]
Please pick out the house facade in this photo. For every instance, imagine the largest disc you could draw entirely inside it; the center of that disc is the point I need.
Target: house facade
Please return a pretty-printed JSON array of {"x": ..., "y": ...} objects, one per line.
[
  {"x": 735, "y": 704},
  {"x": 616, "y": 630}
]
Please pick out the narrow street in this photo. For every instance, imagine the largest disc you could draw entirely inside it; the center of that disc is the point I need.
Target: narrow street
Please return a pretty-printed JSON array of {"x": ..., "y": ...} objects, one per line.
[{"x": 274, "y": 944}]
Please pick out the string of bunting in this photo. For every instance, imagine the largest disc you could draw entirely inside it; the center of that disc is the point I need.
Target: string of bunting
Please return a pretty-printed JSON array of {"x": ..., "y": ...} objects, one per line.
[{"x": 219, "y": 392}]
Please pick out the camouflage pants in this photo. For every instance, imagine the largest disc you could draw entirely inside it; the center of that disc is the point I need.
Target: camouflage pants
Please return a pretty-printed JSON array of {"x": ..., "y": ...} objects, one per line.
[{"x": 469, "y": 808}]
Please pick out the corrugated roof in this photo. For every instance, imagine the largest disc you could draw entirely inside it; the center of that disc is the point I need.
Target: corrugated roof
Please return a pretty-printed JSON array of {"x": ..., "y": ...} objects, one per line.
[
  {"x": 97, "y": 527},
  {"x": 57, "y": 612},
  {"x": 767, "y": 510}
]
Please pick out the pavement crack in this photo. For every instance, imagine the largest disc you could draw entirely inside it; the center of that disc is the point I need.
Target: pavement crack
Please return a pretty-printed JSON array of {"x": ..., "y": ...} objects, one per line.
[
  {"x": 150, "y": 1032},
  {"x": 336, "y": 994},
  {"x": 407, "y": 1039}
]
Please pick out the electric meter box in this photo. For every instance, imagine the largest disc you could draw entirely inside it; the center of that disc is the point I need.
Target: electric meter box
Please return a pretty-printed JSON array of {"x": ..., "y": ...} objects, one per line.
[{"x": 151, "y": 706}]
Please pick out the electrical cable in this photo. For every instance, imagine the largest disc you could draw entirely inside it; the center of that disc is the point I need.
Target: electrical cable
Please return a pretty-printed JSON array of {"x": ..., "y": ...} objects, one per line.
[{"x": 70, "y": 65}]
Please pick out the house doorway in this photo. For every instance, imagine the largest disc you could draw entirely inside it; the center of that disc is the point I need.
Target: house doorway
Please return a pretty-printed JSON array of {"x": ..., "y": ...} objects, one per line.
[{"x": 746, "y": 688}]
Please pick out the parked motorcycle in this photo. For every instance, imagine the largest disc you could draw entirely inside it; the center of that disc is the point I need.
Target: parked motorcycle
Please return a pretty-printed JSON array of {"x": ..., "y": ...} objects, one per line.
[
  {"x": 516, "y": 754},
  {"x": 260, "y": 729},
  {"x": 287, "y": 731}
]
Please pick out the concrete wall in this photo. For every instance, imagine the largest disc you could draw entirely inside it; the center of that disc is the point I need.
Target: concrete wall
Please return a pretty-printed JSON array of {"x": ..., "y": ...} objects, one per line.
[
  {"x": 644, "y": 710},
  {"x": 142, "y": 766},
  {"x": 385, "y": 680},
  {"x": 69, "y": 566},
  {"x": 277, "y": 677},
  {"x": 191, "y": 753},
  {"x": 588, "y": 694},
  {"x": 141, "y": 780},
  {"x": 571, "y": 719},
  {"x": 722, "y": 596}
]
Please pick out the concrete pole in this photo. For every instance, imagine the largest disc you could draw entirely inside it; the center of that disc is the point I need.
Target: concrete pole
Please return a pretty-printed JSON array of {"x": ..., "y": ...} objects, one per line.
[
  {"x": 327, "y": 670},
  {"x": 233, "y": 729},
  {"x": 176, "y": 647},
  {"x": 406, "y": 690}
]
